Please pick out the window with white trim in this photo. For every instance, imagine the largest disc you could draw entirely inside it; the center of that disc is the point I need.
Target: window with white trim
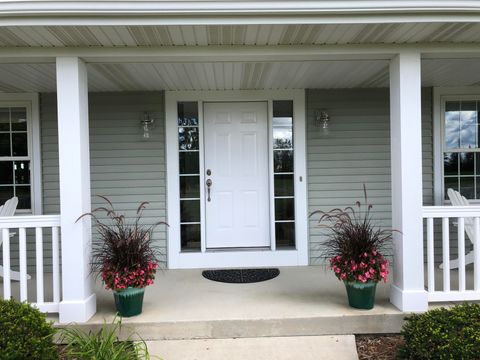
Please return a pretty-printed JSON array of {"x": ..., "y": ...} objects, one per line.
[
  {"x": 461, "y": 147},
  {"x": 16, "y": 155}
]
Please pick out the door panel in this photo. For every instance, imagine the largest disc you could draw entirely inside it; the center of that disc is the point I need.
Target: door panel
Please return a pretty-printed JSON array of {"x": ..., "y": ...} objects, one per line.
[{"x": 236, "y": 152}]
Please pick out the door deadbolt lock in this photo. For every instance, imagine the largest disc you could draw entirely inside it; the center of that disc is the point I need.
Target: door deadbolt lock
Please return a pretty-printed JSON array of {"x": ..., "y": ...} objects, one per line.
[{"x": 209, "y": 172}]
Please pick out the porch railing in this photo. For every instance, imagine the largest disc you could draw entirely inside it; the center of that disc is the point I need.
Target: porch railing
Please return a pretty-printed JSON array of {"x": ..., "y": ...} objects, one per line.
[
  {"x": 19, "y": 225},
  {"x": 443, "y": 231}
]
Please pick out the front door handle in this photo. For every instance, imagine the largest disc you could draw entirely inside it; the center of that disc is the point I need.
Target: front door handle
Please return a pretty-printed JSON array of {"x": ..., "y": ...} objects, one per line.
[{"x": 209, "y": 184}]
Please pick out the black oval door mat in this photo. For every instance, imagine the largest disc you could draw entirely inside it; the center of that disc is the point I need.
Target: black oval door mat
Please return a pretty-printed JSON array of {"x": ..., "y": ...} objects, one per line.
[{"x": 241, "y": 276}]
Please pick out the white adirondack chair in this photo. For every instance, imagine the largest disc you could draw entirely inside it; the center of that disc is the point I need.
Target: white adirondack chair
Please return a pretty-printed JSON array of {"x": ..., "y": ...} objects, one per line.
[
  {"x": 458, "y": 200},
  {"x": 8, "y": 209}
]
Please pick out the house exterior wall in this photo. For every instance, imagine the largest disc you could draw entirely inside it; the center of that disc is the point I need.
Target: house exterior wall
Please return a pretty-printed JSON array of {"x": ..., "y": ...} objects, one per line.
[
  {"x": 124, "y": 168},
  {"x": 129, "y": 170},
  {"x": 356, "y": 151}
]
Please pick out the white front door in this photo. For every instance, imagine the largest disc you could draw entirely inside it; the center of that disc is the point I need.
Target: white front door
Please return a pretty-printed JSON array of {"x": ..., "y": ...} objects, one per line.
[{"x": 236, "y": 165}]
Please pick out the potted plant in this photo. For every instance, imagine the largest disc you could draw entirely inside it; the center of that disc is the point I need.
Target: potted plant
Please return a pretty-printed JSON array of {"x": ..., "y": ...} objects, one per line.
[
  {"x": 353, "y": 246},
  {"x": 124, "y": 255}
]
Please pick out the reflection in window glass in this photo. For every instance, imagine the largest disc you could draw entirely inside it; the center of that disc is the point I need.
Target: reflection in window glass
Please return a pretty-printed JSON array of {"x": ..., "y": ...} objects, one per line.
[
  {"x": 452, "y": 124},
  {"x": 467, "y": 163},
  {"x": 5, "y": 148},
  {"x": 189, "y": 180},
  {"x": 461, "y": 159},
  {"x": 19, "y": 119},
  {"x": 190, "y": 237},
  {"x": 283, "y": 161},
  {"x": 283, "y": 174},
  {"x": 14, "y": 157}
]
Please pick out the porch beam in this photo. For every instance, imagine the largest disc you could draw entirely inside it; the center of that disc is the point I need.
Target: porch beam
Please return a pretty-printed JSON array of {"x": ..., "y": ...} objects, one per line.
[
  {"x": 407, "y": 291},
  {"x": 78, "y": 301},
  {"x": 239, "y": 53}
]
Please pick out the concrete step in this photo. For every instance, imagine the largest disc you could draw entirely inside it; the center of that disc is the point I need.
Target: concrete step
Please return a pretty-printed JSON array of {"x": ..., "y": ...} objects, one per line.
[
  {"x": 252, "y": 328},
  {"x": 271, "y": 348},
  {"x": 301, "y": 301}
]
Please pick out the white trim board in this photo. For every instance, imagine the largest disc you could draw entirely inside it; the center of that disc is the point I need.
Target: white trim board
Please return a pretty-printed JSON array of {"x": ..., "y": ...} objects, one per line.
[
  {"x": 440, "y": 94},
  {"x": 239, "y": 53},
  {"x": 233, "y": 12},
  {"x": 243, "y": 257}
]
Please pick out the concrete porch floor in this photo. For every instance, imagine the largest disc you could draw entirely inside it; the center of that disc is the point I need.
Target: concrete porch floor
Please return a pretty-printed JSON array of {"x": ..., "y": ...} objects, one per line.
[{"x": 300, "y": 301}]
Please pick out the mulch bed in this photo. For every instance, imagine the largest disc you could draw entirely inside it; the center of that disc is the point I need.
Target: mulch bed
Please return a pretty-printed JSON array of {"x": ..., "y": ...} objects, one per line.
[{"x": 378, "y": 347}]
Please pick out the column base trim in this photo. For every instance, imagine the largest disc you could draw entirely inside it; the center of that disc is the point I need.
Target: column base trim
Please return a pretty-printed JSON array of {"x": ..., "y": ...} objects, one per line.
[
  {"x": 409, "y": 300},
  {"x": 77, "y": 311}
]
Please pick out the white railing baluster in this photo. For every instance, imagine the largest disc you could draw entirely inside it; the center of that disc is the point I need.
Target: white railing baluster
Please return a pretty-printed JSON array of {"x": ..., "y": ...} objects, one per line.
[
  {"x": 466, "y": 229},
  {"x": 39, "y": 259},
  {"x": 55, "y": 265},
  {"x": 22, "y": 249},
  {"x": 7, "y": 290},
  {"x": 446, "y": 253},
  {"x": 461, "y": 254},
  {"x": 476, "y": 254},
  {"x": 430, "y": 256},
  {"x": 26, "y": 286}
]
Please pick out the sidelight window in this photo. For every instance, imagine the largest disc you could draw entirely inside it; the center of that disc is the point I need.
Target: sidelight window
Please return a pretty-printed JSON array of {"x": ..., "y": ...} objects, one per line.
[
  {"x": 283, "y": 174},
  {"x": 189, "y": 165}
]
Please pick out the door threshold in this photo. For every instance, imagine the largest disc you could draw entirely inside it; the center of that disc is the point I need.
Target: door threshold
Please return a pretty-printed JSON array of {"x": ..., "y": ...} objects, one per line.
[{"x": 235, "y": 249}]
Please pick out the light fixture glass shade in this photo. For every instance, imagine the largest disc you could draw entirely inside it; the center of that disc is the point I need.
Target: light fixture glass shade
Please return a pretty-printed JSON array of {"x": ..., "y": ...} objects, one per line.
[
  {"x": 322, "y": 120},
  {"x": 325, "y": 128},
  {"x": 147, "y": 123}
]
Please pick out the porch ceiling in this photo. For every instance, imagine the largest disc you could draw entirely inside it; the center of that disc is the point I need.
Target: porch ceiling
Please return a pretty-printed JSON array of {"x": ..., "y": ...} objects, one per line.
[
  {"x": 238, "y": 75},
  {"x": 202, "y": 35}
]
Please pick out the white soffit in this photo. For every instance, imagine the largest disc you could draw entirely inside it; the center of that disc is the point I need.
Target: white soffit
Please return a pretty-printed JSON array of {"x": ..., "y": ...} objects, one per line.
[
  {"x": 203, "y": 35},
  {"x": 238, "y": 75}
]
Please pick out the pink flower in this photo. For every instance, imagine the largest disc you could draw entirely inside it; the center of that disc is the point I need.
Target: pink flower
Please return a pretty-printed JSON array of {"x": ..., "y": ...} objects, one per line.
[{"x": 362, "y": 278}]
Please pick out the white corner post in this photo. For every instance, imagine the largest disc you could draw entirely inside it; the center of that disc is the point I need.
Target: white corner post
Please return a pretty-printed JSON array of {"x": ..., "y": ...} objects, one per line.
[
  {"x": 78, "y": 300},
  {"x": 407, "y": 291}
]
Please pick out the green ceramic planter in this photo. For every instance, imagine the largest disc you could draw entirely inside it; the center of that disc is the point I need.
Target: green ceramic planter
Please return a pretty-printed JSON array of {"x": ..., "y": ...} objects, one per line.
[
  {"x": 361, "y": 295},
  {"x": 129, "y": 302}
]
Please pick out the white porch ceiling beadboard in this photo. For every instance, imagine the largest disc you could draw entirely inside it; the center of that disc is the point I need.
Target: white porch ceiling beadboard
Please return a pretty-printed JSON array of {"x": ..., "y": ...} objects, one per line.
[
  {"x": 238, "y": 75},
  {"x": 203, "y": 35},
  {"x": 234, "y": 76}
]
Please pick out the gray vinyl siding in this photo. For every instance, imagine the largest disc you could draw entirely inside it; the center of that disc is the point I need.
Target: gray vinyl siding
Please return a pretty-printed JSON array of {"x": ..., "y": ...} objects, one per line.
[
  {"x": 124, "y": 168},
  {"x": 356, "y": 152},
  {"x": 129, "y": 170}
]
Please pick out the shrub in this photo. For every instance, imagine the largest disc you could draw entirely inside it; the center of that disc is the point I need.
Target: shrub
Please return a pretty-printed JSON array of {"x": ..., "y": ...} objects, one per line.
[
  {"x": 25, "y": 333},
  {"x": 442, "y": 334},
  {"x": 102, "y": 345}
]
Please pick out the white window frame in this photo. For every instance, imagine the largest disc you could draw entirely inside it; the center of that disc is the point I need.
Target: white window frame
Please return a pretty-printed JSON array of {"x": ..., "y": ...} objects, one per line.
[
  {"x": 236, "y": 258},
  {"x": 31, "y": 102},
  {"x": 440, "y": 96}
]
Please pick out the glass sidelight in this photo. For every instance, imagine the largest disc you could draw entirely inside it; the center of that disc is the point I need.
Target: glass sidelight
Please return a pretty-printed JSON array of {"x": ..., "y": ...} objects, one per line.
[
  {"x": 283, "y": 174},
  {"x": 189, "y": 173}
]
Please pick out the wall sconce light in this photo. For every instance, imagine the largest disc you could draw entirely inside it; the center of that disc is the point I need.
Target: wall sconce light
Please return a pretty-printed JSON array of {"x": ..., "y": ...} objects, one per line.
[
  {"x": 322, "y": 120},
  {"x": 148, "y": 124}
]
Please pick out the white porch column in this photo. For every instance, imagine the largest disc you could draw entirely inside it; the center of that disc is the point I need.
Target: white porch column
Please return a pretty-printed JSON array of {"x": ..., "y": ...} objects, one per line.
[
  {"x": 78, "y": 301},
  {"x": 407, "y": 292}
]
